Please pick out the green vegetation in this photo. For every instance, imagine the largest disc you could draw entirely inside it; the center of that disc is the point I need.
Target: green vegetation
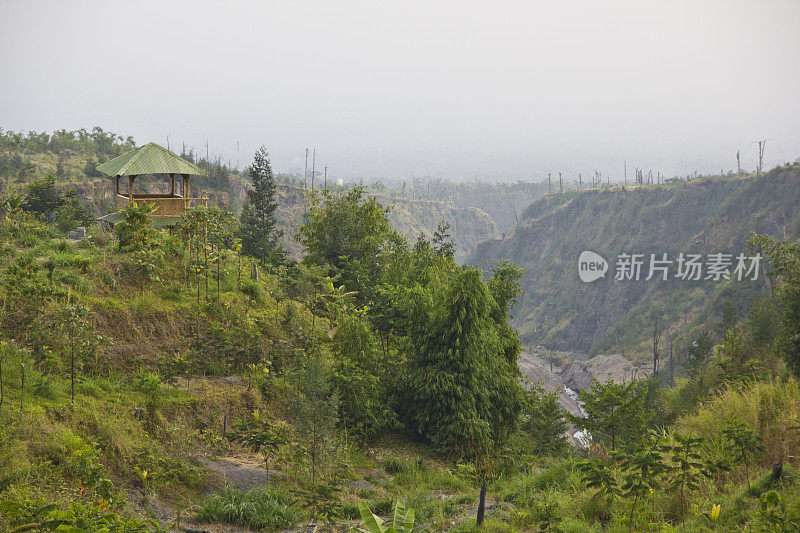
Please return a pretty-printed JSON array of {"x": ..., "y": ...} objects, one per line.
[
  {"x": 148, "y": 382},
  {"x": 784, "y": 265},
  {"x": 402, "y": 520},
  {"x": 701, "y": 216},
  {"x": 475, "y": 211},
  {"x": 542, "y": 423},
  {"x": 349, "y": 236},
  {"x": 46, "y": 202},
  {"x": 119, "y": 351},
  {"x": 30, "y": 516},
  {"x": 463, "y": 391},
  {"x": 259, "y": 508},
  {"x": 618, "y": 414},
  {"x": 258, "y": 233}
]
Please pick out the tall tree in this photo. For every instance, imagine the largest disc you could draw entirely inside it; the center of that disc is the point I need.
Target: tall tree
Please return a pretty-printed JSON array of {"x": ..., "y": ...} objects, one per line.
[
  {"x": 442, "y": 240},
  {"x": 349, "y": 234},
  {"x": 358, "y": 371},
  {"x": 463, "y": 394},
  {"x": 258, "y": 232}
]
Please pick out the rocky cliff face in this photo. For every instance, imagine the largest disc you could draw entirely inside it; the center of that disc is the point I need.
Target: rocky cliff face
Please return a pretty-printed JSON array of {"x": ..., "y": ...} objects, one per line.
[
  {"x": 606, "y": 316},
  {"x": 469, "y": 226}
]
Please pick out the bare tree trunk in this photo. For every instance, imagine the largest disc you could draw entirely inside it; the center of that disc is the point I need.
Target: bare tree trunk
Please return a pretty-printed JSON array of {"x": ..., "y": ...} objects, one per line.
[
  {"x": 72, "y": 372},
  {"x": 205, "y": 255},
  {"x": 738, "y": 164},
  {"x": 481, "y": 505},
  {"x": 656, "y": 338},
  {"x": 22, "y": 384},
  {"x": 671, "y": 362}
]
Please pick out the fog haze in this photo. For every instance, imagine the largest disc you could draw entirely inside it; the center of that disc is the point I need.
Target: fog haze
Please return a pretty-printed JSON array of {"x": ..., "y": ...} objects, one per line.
[{"x": 464, "y": 90}]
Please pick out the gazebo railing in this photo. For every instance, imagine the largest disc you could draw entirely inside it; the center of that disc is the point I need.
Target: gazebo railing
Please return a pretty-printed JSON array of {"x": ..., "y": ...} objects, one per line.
[{"x": 165, "y": 205}]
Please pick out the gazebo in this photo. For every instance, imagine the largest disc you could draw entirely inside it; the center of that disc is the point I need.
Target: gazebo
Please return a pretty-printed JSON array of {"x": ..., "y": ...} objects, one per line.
[{"x": 152, "y": 159}]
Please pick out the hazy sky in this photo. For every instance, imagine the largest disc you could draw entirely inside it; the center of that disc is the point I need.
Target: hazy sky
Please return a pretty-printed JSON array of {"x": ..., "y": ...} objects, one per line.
[{"x": 458, "y": 89}]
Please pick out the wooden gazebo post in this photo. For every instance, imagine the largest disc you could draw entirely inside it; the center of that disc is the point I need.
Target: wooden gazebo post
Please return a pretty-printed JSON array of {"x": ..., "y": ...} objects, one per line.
[
  {"x": 130, "y": 188},
  {"x": 116, "y": 193}
]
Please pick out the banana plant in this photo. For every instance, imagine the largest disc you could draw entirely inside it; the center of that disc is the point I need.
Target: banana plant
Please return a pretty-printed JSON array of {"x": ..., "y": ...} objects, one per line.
[
  {"x": 10, "y": 204},
  {"x": 401, "y": 521}
]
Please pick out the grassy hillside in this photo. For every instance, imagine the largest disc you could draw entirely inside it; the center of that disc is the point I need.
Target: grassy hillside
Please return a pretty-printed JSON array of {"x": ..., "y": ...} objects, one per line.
[
  {"x": 145, "y": 436},
  {"x": 167, "y": 366},
  {"x": 149, "y": 383},
  {"x": 702, "y": 216},
  {"x": 71, "y": 157}
]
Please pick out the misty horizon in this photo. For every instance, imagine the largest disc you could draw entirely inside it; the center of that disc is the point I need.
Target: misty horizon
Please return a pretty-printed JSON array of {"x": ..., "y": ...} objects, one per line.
[{"x": 457, "y": 91}]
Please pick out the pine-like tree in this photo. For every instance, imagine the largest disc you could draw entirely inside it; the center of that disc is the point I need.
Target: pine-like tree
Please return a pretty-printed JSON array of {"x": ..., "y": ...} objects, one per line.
[
  {"x": 258, "y": 232},
  {"x": 463, "y": 395}
]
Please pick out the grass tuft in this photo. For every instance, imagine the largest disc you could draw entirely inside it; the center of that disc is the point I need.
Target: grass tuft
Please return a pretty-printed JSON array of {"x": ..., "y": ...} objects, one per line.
[{"x": 259, "y": 508}]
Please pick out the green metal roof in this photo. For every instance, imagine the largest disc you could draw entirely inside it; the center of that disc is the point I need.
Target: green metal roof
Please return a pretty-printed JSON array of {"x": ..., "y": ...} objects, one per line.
[{"x": 149, "y": 159}]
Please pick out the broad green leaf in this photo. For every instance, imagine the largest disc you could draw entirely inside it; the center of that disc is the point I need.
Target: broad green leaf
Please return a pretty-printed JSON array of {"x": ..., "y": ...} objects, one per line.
[
  {"x": 398, "y": 515},
  {"x": 372, "y": 522},
  {"x": 408, "y": 527}
]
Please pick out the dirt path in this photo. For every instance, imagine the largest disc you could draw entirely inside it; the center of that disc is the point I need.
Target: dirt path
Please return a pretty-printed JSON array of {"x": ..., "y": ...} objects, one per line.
[{"x": 243, "y": 471}]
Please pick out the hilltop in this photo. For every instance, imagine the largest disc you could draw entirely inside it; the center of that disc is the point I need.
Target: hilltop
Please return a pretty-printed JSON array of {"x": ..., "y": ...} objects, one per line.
[
  {"x": 701, "y": 216},
  {"x": 475, "y": 211}
]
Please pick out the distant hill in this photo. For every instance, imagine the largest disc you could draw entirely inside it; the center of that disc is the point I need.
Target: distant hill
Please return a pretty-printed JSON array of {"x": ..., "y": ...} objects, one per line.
[
  {"x": 504, "y": 202},
  {"x": 703, "y": 216},
  {"x": 475, "y": 211},
  {"x": 469, "y": 226}
]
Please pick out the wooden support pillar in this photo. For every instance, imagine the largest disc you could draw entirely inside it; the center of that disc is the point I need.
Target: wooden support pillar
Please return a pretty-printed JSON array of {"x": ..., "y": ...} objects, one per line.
[
  {"x": 172, "y": 185},
  {"x": 116, "y": 193},
  {"x": 130, "y": 188},
  {"x": 186, "y": 190}
]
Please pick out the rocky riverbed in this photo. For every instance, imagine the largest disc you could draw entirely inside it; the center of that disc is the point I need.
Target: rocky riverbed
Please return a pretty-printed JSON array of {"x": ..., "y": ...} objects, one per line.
[{"x": 567, "y": 373}]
